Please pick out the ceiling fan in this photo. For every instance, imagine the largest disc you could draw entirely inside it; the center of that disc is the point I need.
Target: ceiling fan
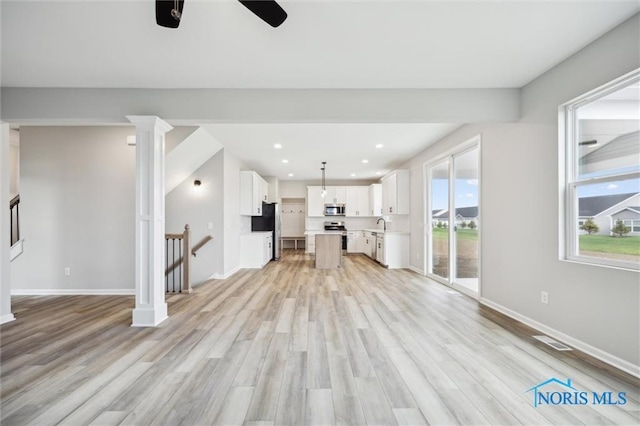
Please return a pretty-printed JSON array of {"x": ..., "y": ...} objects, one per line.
[{"x": 169, "y": 12}]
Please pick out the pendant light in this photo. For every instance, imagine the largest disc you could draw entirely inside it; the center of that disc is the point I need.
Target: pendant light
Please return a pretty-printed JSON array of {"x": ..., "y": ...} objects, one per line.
[{"x": 324, "y": 189}]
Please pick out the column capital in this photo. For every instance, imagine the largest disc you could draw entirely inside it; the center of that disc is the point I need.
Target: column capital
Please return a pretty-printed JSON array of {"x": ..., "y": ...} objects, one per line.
[{"x": 150, "y": 123}]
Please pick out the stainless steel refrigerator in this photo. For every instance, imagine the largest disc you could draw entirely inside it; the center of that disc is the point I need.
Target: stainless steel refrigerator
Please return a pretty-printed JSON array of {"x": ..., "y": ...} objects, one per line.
[{"x": 269, "y": 221}]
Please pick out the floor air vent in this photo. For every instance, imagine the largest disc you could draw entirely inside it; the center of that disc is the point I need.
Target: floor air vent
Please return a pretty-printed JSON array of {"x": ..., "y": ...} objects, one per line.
[{"x": 553, "y": 343}]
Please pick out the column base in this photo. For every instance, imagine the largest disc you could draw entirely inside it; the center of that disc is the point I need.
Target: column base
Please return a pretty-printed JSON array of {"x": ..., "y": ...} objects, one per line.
[
  {"x": 7, "y": 318},
  {"x": 149, "y": 317}
]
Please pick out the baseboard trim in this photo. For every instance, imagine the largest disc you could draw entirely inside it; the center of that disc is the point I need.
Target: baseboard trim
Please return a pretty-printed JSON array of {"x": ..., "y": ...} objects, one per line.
[
  {"x": 7, "y": 318},
  {"x": 73, "y": 292},
  {"x": 416, "y": 270},
  {"x": 224, "y": 276},
  {"x": 603, "y": 356}
]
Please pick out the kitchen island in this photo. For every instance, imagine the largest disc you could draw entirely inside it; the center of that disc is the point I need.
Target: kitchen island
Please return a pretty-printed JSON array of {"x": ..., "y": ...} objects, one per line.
[{"x": 328, "y": 251}]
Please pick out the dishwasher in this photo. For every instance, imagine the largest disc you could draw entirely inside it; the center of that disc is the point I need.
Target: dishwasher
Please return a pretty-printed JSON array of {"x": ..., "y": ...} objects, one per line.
[{"x": 380, "y": 250}]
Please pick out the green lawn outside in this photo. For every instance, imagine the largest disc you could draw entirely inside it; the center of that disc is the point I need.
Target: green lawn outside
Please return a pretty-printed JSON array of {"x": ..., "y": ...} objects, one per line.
[
  {"x": 607, "y": 244},
  {"x": 462, "y": 234}
]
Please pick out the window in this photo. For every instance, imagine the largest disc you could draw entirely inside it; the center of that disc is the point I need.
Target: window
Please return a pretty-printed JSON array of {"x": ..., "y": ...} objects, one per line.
[{"x": 602, "y": 174}]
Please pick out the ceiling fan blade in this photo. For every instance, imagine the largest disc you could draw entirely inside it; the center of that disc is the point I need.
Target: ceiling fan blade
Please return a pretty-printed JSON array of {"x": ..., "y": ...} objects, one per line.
[
  {"x": 267, "y": 10},
  {"x": 167, "y": 15}
]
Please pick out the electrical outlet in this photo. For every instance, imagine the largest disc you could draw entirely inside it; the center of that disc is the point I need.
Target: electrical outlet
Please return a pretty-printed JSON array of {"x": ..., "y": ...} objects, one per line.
[
  {"x": 67, "y": 271},
  {"x": 544, "y": 297}
]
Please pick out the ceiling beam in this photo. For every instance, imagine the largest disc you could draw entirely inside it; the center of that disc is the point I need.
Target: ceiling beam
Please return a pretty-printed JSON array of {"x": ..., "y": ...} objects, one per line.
[{"x": 75, "y": 106}]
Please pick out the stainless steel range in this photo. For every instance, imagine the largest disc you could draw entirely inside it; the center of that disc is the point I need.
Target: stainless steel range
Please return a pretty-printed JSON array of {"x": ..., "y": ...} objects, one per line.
[{"x": 338, "y": 228}]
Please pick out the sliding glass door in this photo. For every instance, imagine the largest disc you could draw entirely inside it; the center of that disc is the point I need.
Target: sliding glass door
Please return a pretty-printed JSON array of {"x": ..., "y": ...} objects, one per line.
[
  {"x": 453, "y": 219},
  {"x": 439, "y": 193}
]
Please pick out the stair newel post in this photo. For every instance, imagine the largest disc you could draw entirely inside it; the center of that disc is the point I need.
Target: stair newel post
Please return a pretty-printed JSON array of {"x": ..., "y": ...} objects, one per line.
[{"x": 186, "y": 261}]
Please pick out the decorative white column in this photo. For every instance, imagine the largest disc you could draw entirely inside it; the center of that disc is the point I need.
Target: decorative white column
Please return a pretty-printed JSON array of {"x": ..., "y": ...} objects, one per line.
[
  {"x": 5, "y": 275},
  {"x": 150, "y": 309}
]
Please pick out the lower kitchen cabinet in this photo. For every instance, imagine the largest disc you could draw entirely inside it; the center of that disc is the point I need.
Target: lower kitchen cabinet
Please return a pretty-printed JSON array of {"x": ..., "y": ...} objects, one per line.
[
  {"x": 393, "y": 251},
  {"x": 351, "y": 242},
  {"x": 256, "y": 249}
]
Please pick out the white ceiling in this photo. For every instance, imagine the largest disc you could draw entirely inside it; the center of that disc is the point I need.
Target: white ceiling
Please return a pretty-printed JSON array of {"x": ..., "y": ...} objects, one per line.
[
  {"x": 323, "y": 44},
  {"x": 342, "y": 146}
]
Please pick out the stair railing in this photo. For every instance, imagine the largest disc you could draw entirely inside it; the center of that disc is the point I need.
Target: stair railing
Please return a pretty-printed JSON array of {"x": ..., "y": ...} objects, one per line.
[
  {"x": 14, "y": 207},
  {"x": 178, "y": 262}
]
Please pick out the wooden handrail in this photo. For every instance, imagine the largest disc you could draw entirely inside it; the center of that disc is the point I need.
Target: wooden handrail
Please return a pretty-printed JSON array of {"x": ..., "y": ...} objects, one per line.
[
  {"x": 201, "y": 244},
  {"x": 15, "y": 200},
  {"x": 14, "y": 227}
]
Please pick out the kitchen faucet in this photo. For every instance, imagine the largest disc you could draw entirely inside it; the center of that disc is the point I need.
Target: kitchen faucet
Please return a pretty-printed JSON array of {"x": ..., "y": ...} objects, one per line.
[{"x": 384, "y": 223}]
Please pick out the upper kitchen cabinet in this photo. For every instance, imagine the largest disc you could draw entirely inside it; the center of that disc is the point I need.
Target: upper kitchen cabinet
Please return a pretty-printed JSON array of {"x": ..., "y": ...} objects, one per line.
[
  {"x": 315, "y": 202},
  {"x": 253, "y": 191},
  {"x": 357, "y": 201},
  {"x": 375, "y": 200},
  {"x": 336, "y": 195},
  {"x": 395, "y": 193}
]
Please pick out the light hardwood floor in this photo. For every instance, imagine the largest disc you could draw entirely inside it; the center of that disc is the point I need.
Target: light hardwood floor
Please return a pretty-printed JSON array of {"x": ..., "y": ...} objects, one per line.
[{"x": 292, "y": 345}]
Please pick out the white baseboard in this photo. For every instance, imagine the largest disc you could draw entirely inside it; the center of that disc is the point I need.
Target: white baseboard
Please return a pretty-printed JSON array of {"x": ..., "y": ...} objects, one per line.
[
  {"x": 73, "y": 292},
  {"x": 217, "y": 276},
  {"x": 7, "y": 318},
  {"x": 610, "y": 359},
  {"x": 416, "y": 270}
]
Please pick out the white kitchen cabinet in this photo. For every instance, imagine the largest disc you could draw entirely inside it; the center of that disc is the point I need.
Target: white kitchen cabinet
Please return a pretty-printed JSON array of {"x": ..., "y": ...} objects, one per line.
[
  {"x": 352, "y": 242},
  {"x": 315, "y": 202},
  {"x": 369, "y": 244},
  {"x": 256, "y": 249},
  {"x": 273, "y": 191},
  {"x": 253, "y": 191},
  {"x": 395, "y": 251},
  {"x": 310, "y": 243},
  {"x": 357, "y": 201},
  {"x": 268, "y": 249},
  {"x": 395, "y": 193},
  {"x": 360, "y": 242},
  {"x": 375, "y": 200},
  {"x": 336, "y": 195},
  {"x": 264, "y": 191}
]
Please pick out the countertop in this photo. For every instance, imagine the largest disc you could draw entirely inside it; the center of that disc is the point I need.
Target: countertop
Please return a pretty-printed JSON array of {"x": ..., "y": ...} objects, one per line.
[
  {"x": 377, "y": 231},
  {"x": 380, "y": 231},
  {"x": 320, "y": 231}
]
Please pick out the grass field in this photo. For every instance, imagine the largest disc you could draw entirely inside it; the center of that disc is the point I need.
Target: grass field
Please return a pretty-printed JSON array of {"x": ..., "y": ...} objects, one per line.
[
  {"x": 467, "y": 253},
  {"x": 607, "y": 244},
  {"x": 461, "y": 234}
]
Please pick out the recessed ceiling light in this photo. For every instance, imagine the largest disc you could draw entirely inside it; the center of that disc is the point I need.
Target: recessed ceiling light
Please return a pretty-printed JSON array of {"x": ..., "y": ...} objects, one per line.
[
  {"x": 285, "y": 161},
  {"x": 290, "y": 174},
  {"x": 379, "y": 145},
  {"x": 365, "y": 161},
  {"x": 378, "y": 173},
  {"x": 353, "y": 174},
  {"x": 277, "y": 146}
]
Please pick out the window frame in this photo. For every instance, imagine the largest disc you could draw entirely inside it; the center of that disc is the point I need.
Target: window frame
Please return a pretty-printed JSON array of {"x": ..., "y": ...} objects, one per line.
[{"x": 569, "y": 176}]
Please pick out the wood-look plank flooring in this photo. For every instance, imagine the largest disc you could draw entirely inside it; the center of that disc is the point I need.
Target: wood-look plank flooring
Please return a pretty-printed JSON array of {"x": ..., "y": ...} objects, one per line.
[{"x": 292, "y": 345}]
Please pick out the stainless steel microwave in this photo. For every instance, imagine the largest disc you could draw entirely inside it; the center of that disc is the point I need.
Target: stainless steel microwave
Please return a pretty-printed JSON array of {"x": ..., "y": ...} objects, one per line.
[{"x": 334, "y": 210}]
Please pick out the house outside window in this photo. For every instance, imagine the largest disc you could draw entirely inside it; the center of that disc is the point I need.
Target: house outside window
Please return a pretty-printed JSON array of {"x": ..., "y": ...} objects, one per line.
[{"x": 600, "y": 137}]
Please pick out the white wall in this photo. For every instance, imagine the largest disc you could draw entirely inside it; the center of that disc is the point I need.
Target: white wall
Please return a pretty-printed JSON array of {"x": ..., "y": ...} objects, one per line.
[
  {"x": 14, "y": 163},
  {"x": 217, "y": 202},
  {"x": 234, "y": 224},
  {"x": 184, "y": 205},
  {"x": 597, "y": 306},
  {"x": 76, "y": 209},
  {"x": 5, "y": 285}
]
